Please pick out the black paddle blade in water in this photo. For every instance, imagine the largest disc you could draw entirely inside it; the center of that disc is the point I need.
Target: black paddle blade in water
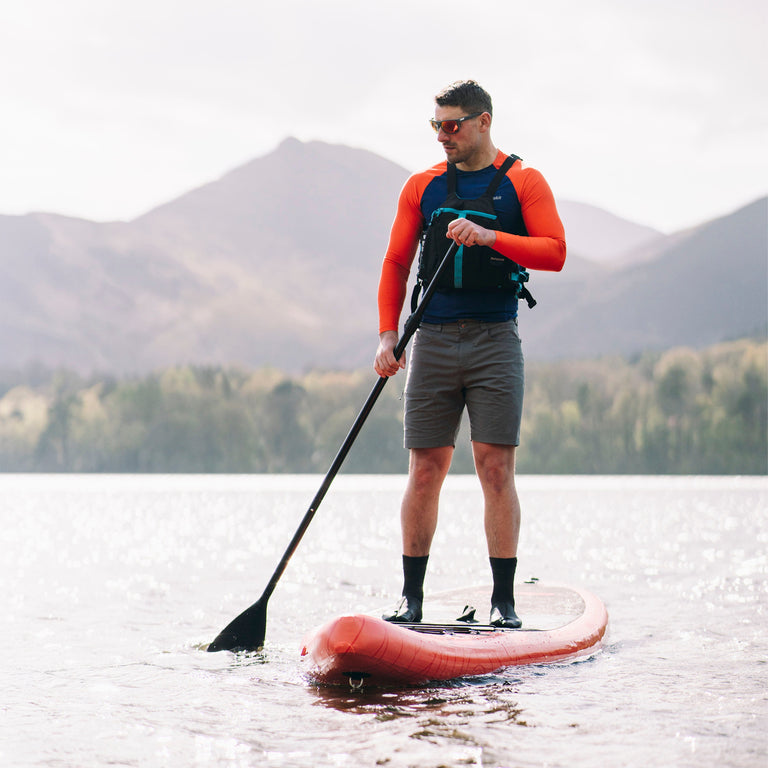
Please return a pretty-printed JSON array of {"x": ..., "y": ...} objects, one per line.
[{"x": 246, "y": 632}]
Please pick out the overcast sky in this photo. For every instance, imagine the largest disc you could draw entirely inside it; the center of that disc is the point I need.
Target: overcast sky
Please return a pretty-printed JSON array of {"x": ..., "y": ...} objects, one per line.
[{"x": 655, "y": 110}]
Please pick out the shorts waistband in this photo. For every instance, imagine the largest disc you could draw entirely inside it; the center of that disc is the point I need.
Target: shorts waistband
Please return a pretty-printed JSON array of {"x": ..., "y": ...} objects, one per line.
[{"x": 467, "y": 323}]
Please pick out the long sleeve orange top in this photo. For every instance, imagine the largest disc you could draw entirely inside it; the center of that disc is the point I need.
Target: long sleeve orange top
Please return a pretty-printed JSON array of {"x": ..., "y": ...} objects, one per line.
[{"x": 543, "y": 248}]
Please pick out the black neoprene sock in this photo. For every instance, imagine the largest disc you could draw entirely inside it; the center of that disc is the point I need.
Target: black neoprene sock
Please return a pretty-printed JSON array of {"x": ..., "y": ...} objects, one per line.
[
  {"x": 503, "y": 569},
  {"x": 414, "y": 569}
]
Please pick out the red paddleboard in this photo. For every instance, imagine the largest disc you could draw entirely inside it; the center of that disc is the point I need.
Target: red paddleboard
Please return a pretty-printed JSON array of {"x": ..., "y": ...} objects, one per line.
[{"x": 559, "y": 623}]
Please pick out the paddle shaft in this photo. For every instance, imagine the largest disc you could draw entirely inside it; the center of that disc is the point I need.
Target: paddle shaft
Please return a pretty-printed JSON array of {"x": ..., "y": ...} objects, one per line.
[
  {"x": 411, "y": 325},
  {"x": 247, "y": 631}
]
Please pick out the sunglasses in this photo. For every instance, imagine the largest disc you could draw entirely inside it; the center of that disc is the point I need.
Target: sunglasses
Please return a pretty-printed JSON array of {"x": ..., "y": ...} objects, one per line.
[{"x": 452, "y": 126}]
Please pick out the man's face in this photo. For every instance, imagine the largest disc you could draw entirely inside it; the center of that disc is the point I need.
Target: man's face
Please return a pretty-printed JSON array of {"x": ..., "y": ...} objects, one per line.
[{"x": 459, "y": 147}]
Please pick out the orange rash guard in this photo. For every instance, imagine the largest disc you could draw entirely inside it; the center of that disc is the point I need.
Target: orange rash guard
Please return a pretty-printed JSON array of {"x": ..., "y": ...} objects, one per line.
[{"x": 543, "y": 248}]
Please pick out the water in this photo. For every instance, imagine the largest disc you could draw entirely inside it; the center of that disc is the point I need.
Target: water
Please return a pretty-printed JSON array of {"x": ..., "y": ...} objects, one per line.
[{"x": 112, "y": 586}]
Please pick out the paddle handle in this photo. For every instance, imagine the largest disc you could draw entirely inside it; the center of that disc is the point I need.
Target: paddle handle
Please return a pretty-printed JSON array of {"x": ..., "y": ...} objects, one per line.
[{"x": 411, "y": 325}]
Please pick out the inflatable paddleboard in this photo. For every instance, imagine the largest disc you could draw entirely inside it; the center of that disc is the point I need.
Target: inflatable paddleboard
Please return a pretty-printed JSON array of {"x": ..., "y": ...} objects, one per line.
[{"x": 559, "y": 623}]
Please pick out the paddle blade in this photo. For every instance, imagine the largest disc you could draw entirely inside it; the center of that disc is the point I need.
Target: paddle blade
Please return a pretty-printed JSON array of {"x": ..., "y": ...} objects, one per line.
[{"x": 246, "y": 632}]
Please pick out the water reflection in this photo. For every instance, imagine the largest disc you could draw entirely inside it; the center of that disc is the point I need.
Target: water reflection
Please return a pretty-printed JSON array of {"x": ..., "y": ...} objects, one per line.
[{"x": 488, "y": 697}]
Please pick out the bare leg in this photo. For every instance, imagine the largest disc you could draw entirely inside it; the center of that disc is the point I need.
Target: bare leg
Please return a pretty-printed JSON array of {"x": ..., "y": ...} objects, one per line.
[
  {"x": 418, "y": 512},
  {"x": 495, "y": 465},
  {"x": 418, "y": 516}
]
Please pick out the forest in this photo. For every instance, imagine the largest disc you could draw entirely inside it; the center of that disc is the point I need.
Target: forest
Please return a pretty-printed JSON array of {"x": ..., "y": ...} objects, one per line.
[{"x": 681, "y": 411}]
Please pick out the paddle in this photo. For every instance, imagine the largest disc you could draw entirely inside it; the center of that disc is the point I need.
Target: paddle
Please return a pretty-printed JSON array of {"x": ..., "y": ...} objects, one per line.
[{"x": 247, "y": 631}]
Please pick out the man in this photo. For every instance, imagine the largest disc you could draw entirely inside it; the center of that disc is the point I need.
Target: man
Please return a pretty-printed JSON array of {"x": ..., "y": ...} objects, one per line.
[{"x": 466, "y": 353}]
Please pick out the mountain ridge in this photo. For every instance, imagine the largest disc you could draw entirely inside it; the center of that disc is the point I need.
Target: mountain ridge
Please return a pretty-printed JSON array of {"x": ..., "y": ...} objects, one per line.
[{"x": 276, "y": 263}]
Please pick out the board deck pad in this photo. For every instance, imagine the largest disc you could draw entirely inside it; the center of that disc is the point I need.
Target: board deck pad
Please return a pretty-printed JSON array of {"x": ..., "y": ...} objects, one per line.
[
  {"x": 559, "y": 623},
  {"x": 540, "y": 607}
]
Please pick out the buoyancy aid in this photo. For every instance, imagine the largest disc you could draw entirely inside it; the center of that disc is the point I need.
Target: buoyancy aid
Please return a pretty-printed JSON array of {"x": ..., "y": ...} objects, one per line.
[{"x": 473, "y": 267}]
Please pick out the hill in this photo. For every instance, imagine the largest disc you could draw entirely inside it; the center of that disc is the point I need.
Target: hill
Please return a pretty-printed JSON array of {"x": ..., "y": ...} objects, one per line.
[
  {"x": 276, "y": 263},
  {"x": 695, "y": 288}
]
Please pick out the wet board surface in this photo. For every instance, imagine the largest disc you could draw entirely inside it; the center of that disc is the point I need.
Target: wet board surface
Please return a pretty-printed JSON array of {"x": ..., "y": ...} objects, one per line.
[{"x": 559, "y": 623}]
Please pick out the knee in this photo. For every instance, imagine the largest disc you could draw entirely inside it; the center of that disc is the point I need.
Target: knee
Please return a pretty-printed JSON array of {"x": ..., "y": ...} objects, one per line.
[
  {"x": 496, "y": 469},
  {"x": 496, "y": 477},
  {"x": 429, "y": 467}
]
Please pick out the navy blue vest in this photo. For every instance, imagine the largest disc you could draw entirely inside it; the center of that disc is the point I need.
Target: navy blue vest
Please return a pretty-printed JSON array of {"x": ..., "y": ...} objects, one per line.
[{"x": 480, "y": 283}]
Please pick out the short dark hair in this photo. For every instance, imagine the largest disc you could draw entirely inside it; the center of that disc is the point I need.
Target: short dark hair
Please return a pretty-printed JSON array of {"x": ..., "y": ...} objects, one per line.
[{"x": 466, "y": 94}]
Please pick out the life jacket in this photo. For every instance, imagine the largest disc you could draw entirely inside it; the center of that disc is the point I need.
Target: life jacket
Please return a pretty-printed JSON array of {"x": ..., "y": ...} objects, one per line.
[{"x": 474, "y": 267}]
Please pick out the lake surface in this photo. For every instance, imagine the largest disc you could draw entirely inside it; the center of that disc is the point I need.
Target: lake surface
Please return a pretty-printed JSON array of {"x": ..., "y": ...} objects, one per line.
[{"x": 111, "y": 587}]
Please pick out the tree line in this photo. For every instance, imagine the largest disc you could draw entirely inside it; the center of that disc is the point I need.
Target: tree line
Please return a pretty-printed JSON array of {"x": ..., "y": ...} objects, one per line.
[{"x": 680, "y": 411}]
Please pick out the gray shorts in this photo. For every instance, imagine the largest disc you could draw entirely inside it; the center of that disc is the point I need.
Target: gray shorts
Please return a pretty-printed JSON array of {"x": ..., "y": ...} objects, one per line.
[{"x": 467, "y": 363}]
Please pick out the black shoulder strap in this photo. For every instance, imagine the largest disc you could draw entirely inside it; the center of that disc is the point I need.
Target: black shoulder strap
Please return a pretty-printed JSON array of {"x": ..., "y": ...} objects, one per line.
[
  {"x": 451, "y": 178},
  {"x": 503, "y": 168}
]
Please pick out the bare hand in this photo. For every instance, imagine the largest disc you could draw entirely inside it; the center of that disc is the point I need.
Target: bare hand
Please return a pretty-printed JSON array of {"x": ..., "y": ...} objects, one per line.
[
  {"x": 466, "y": 232},
  {"x": 385, "y": 363}
]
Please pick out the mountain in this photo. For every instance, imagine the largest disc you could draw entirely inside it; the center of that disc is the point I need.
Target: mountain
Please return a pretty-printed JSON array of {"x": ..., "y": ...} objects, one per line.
[
  {"x": 598, "y": 235},
  {"x": 700, "y": 287},
  {"x": 276, "y": 263}
]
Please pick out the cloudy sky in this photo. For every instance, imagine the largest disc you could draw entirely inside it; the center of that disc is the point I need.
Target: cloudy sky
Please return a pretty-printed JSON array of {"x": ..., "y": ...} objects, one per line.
[{"x": 655, "y": 110}]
